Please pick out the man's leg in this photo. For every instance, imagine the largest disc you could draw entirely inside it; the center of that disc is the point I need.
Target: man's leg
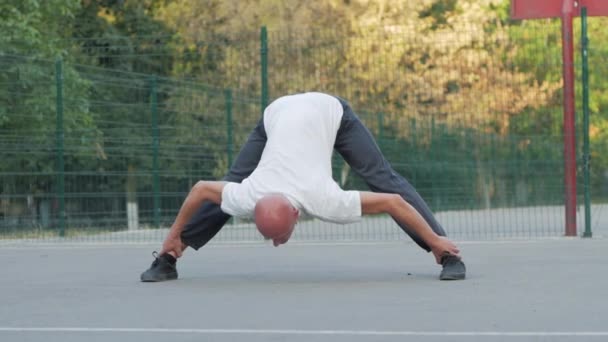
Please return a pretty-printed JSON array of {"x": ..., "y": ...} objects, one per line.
[
  {"x": 359, "y": 149},
  {"x": 210, "y": 219}
]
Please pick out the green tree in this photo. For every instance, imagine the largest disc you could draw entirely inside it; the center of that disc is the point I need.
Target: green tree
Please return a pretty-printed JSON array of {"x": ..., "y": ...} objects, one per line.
[
  {"x": 122, "y": 35},
  {"x": 33, "y": 37},
  {"x": 537, "y": 51}
]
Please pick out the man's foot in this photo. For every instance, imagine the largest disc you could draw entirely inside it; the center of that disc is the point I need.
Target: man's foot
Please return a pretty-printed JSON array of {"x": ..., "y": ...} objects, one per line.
[
  {"x": 453, "y": 268},
  {"x": 163, "y": 268}
]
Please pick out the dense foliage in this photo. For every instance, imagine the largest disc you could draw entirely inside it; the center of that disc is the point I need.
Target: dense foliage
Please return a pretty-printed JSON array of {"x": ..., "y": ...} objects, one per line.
[{"x": 464, "y": 101}]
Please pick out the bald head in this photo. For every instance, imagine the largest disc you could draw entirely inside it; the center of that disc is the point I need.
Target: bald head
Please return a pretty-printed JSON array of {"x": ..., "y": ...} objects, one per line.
[{"x": 275, "y": 218}]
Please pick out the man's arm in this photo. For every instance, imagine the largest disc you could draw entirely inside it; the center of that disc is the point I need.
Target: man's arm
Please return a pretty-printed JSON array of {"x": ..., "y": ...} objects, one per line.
[
  {"x": 403, "y": 212},
  {"x": 202, "y": 191}
]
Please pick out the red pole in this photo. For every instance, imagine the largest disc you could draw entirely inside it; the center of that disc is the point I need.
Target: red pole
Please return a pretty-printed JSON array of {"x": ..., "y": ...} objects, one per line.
[{"x": 569, "y": 125}]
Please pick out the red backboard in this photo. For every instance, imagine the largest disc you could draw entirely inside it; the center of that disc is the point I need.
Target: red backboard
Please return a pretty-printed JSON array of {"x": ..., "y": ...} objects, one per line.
[{"x": 536, "y": 9}]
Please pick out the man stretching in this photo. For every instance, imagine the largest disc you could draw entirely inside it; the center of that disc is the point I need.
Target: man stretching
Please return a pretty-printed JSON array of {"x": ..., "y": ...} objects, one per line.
[{"x": 285, "y": 169}]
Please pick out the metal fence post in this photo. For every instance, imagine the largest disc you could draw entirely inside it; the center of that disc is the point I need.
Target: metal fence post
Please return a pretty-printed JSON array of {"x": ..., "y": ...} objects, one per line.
[
  {"x": 586, "y": 151},
  {"x": 155, "y": 150},
  {"x": 229, "y": 138},
  {"x": 380, "y": 118},
  {"x": 264, "y": 66},
  {"x": 59, "y": 141},
  {"x": 434, "y": 162},
  {"x": 416, "y": 150},
  {"x": 469, "y": 164},
  {"x": 569, "y": 118}
]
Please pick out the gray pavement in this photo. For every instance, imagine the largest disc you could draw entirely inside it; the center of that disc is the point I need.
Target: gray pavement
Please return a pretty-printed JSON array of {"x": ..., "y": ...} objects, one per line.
[{"x": 541, "y": 290}]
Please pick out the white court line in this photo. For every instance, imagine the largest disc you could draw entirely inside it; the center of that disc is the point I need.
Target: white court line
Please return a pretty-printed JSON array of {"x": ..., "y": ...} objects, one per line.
[{"x": 309, "y": 332}]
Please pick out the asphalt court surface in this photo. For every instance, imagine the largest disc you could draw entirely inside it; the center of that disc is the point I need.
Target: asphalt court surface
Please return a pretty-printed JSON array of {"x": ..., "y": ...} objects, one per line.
[{"x": 539, "y": 290}]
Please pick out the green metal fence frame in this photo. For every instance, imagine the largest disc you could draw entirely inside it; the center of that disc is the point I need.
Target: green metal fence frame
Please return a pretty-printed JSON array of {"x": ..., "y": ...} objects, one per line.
[
  {"x": 60, "y": 191},
  {"x": 586, "y": 146},
  {"x": 436, "y": 130}
]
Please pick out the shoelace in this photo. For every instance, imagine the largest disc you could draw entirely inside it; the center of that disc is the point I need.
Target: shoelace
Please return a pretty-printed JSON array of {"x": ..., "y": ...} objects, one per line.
[
  {"x": 449, "y": 259},
  {"x": 156, "y": 259}
]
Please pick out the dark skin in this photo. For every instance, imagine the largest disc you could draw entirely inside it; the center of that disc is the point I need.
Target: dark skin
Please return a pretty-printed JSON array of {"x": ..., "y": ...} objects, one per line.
[{"x": 371, "y": 203}]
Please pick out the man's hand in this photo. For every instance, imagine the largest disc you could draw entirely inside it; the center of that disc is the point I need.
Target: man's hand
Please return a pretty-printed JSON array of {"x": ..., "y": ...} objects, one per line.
[
  {"x": 443, "y": 246},
  {"x": 173, "y": 245},
  {"x": 202, "y": 191}
]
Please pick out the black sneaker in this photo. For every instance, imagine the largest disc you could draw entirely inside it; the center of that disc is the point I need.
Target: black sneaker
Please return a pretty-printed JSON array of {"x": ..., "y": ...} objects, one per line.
[
  {"x": 162, "y": 269},
  {"x": 453, "y": 268}
]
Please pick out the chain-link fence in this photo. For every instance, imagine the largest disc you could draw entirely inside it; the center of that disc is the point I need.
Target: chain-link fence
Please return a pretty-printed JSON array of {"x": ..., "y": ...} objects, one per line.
[{"x": 92, "y": 151}]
